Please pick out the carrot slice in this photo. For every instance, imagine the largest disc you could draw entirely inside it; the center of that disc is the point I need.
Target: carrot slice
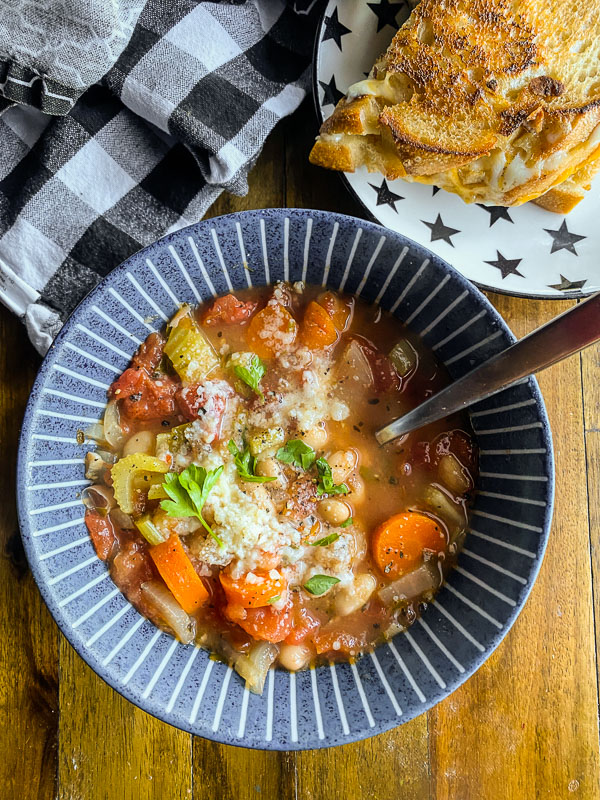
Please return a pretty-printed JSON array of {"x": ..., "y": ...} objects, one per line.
[
  {"x": 273, "y": 330},
  {"x": 399, "y": 542},
  {"x": 253, "y": 590},
  {"x": 317, "y": 329},
  {"x": 178, "y": 573}
]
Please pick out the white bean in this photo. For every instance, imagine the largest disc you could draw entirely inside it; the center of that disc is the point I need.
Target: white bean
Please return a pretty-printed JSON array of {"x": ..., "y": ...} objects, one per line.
[
  {"x": 294, "y": 656},
  {"x": 315, "y": 438},
  {"x": 351, "y": 598},
  {"x": 141, "y": 442},
  {"x": 334, "y": 511},
  {"x": 267, "y": 468},
  {"x": 357, "y": 488},
  {"x": 342, "y": 462}
]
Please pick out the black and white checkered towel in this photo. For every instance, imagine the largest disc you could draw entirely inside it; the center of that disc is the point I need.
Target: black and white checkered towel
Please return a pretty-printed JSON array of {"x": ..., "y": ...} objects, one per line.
[{"x": 122, "y": 122}]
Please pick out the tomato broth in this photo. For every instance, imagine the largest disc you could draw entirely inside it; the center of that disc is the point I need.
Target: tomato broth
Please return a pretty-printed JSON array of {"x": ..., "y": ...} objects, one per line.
[{"x": 239, "y": 495}]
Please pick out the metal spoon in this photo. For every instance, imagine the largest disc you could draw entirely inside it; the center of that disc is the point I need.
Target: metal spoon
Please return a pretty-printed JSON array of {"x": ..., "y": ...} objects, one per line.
[{"x": 568, "y": 333}]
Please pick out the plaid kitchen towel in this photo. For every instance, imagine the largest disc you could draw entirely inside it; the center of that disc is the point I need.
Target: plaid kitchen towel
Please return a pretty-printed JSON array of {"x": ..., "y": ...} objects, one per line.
[{"x": 99, "y": 159}]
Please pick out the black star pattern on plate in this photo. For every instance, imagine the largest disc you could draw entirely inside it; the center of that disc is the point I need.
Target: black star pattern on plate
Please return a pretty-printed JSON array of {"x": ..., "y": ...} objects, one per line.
[
  {"x": 566, "y": 285},
  {"x": 435, "y": 190},
  {"x": 332, "y": 94},
  {"x": 386, "y": 13},
  {"x": 507, "y": 266},
  {"x": 496, "y": 213},
  {"x": 440, "y": 231},
  {"x": 385, "y": 196},
  {"x": 563, "y": 239},
  {"x": 334, "y": 29}
]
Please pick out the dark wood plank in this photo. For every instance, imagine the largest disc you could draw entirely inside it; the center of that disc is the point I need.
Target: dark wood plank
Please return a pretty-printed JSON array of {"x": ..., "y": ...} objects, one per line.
[
  {"x": 526, "y": 724},
  {"x": 29, "y": 643}
]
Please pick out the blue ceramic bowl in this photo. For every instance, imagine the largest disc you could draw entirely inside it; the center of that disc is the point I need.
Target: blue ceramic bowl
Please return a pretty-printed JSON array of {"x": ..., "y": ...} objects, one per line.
[{"x": 181, "y": 684}]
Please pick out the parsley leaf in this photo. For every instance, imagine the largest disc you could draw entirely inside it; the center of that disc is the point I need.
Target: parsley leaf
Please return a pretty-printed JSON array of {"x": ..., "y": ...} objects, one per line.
[
  {"x": 274, "y": 599},
  {"x": 349, "y": 521},
  {"x": 246, "y": 464},
  {"x": 333, "y": 537},
  {"x": 297, "y": 452},
  {"x": 188, "y": 491},
  {"x": 325, "y": 483},
  {"x": 319, "y": 584},
  {"x": 252, "y": 374}
]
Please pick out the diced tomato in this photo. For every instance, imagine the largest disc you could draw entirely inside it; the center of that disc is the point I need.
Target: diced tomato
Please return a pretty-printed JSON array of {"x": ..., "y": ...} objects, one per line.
[
  {"x": 385, "y": 377},
  {"x": 193, "y": 403},
  {"x": 131, "y": 567},
  {"x": 102, "y": 533},
  {"x": 142, "y": 397},
  {"x": 428, "y": 454},
  {"x": 149, "y": 352},
  {"x": 229, "y": 310},
  {"x": 351, "y": 634},
  {"x": 305, "y": 623},
  {"x": 263, "y": 623}
]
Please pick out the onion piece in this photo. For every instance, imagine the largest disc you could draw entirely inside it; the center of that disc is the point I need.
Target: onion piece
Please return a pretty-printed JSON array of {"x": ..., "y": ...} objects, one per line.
[
  {"x": 420, "y": 581},
  {"x": 98, "y": 498},
  {"x": 354, "y": 371},
  {"x": 95, "y": 432},
  {"x": 113, "y": 433},
  {"x": 445, "y": 507},
  {"x": 254, "y": 666},
  {"x": 121, "y": 519},
  {"x": 160, "y": 600},
  {"x": 453, "y": 475},
  {"x": 94, "y": 466}
]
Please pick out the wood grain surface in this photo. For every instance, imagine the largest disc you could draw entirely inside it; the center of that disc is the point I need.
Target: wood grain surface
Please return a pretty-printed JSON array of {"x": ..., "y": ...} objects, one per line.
[{"x": 524, "y": 726}]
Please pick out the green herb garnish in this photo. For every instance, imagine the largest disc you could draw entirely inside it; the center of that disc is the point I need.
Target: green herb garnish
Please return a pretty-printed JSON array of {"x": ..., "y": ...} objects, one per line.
[
  {"x": 188, "y": 491},
  {"x": 325, "y": 484},
  {"x": 252, "y": 374},
  {"x": 245, "y": 464},
  {"x": 349, "y": 521},
  {"x": 297, "y": 452},
  {"x": 274, "y": 599},
  {"x": 333, "y": 537},
  {"x": 319, "y": 584}
]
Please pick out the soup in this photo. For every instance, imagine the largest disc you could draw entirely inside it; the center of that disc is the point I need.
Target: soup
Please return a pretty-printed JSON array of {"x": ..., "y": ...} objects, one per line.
[{"x": 239, "y": 495}]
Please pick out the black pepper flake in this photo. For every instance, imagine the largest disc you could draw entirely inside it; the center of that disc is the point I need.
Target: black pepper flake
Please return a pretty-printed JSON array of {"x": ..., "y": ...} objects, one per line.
[
  {"x": 165, "y": 423},
  {"x": 387, "y": 408},
  {"x": 373, "y": 401},
  {"x": 135, "y": 397},
  {"x": 393, "y": 480},
  {"x": 356, "y": 428},
  {"x": 219, "y": 334}
]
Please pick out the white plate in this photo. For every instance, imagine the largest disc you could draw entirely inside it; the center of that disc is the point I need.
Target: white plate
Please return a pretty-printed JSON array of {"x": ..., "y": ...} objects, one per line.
[{"x": 523, "y": 251}]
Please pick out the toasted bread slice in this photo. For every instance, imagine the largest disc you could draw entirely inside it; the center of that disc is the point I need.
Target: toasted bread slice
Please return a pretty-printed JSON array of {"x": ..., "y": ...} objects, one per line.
[{"x": 495, "y": 100}]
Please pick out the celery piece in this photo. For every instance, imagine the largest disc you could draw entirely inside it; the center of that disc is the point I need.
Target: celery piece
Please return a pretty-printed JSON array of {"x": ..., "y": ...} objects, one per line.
[
  {"x": 149, "y": 530},
  {"x": 190, "y": 352}
]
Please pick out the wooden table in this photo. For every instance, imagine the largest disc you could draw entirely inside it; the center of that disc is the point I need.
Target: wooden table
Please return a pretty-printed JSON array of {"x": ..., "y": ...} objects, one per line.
[{"x": 525, "y": 726}]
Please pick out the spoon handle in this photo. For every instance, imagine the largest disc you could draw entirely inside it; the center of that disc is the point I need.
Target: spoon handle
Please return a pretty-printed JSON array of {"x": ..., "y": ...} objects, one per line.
[{"x": 568, "y": 333}]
